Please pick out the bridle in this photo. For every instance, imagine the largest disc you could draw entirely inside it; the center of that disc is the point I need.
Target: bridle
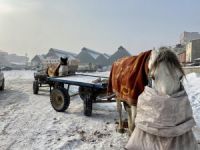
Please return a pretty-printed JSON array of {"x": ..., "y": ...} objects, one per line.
[
  {"x": 150, "y": 75},
  {"x": 151, "y": 78}
]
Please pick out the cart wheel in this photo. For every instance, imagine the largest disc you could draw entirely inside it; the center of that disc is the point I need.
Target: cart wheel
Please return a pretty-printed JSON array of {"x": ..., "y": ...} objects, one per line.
[
  {"x": 83, "y": 92},
  {"x": 88, "y": 106},
  {"x": 35, "y": 87},
  {"x": 3, "y": 85},
  {"x": 60, "y": 99}
]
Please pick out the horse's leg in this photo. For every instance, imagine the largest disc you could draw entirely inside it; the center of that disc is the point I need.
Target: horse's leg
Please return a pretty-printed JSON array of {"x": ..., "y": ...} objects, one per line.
[
  {"x": 120, "y": 128},
  {"x": 133, "y": 111},
  {"x": 130, "y": 122}
]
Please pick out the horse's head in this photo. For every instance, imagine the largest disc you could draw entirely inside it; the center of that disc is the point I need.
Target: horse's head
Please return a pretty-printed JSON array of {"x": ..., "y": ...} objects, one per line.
[
  {"x": 165, "y": 70},
  {"x": 64, "y": 68},
  {"x": 63, "y": 61}
]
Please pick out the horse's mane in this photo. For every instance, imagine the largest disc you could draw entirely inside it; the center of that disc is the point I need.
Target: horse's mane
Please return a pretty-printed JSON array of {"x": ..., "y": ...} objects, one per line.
[{"x": 168, "y": 57}]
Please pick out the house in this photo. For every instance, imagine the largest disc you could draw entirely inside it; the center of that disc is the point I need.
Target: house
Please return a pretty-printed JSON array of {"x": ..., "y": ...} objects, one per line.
[
  {"x": 179, "y": 48},
  {"x": 3, "y": 59},
  {"x": 56, "y": 54},
  {"x": 53, "y": 56},
  {"x": 121, "y": 52},
  {"x": 38, "y": 60},
  {"x": 186, "y": 37},
  {"x": 13, "y": 61},
  {"x": 91, "y": 60},
  {"x": 193, "y": 50},
  {"x": 16, "y": 59},
  {"x": 180, "y": 51},
  {"x": 182, "y": 57},
  {"x": 87, "y": 56},
  {"x": 102, "y": 60}
]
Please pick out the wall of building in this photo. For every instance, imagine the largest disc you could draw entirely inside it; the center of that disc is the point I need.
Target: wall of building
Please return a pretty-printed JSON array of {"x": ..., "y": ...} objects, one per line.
[
  {"x": 185, "y": 37},
  {"x": 195, "y": 49},
  {"x": 102, "y": 61},
  {"x": 86, "y": 58},
  {"x": 182, "y": 57},
  {"x": 189, "y": 52}
]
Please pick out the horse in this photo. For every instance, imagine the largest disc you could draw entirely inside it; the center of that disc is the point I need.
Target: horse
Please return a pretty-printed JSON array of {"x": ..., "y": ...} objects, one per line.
[
  {"x": 130, "y": 75},
  {"x": 60, "y": 69},
  {"x": 166, "y": 71},
  {"x": 164, "y": 115}
]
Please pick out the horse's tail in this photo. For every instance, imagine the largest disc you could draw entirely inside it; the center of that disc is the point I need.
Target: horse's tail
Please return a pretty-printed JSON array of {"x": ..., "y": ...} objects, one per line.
[{"x": 109, "y": 88}]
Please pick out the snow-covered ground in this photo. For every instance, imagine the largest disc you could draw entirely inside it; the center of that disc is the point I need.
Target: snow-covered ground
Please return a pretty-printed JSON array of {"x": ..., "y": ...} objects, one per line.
[
  {"x": 28, "y": 121},
  {"x": 192, "y": 86}
]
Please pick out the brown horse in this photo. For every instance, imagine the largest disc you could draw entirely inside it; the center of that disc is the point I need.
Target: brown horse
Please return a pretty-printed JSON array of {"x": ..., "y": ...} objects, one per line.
[
  {"x": 128, "y": 78},
  {"x": 60, "y": 69}
]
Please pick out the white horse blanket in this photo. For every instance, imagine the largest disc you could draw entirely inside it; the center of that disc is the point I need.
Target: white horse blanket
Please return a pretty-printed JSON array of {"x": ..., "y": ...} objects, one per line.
[{"x": 163, "y": 122}]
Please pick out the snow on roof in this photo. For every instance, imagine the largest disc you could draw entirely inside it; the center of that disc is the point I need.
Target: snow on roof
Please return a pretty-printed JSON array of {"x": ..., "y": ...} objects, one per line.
[
  {"x": 93, "y": 53},
  {"x": 41, "y": 57},
  {"x": 106, "y": 55},
  {"x": 64, "y": 55},
  {"x": 18, "y": 63},
  {"x": 61, "y": 53},
  {"x": 197, "y": 59}
]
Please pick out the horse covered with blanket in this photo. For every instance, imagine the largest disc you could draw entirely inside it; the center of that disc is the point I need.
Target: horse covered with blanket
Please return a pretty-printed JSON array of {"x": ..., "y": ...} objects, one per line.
[
  {"x": 164, "y": 118},
  {"x": 128, "y": 77}
]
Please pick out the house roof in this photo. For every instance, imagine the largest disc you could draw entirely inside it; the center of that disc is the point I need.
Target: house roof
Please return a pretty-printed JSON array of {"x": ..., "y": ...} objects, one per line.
[
  {"x": 62, "y": 53},
  {"x": 106, "y": 55},
  {"x": 41, "y": 57},
  {"x": 121, "y": 52},
  {"x": 93, "y": 53}
]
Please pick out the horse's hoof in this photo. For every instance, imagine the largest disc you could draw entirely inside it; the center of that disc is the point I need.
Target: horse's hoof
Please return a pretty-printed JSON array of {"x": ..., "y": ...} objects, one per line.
[
  {"x": 120, "y": 130},
  {"x": 125, "y": 124},
  {"x": 129, "y": 134}
]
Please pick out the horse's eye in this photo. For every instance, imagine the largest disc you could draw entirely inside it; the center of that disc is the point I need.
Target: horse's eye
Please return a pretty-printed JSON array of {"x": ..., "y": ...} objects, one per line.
[{"x": 152, "y": 77}]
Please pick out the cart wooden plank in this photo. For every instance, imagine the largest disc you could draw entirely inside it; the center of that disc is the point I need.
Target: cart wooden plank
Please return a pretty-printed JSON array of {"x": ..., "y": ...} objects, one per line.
[{"x": 80, "y": 80}]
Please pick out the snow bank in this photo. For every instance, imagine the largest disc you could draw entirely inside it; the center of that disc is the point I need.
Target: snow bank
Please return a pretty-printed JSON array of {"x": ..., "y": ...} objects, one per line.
[
  {"x": 18, "y": 74},
  {"x": 28, "y": 121},
  {"x": 192, "y": 87}
]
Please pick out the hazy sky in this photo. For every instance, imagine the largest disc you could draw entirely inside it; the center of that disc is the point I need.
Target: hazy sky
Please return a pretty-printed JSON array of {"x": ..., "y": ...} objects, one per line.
[{"x": 34, "y": 26}]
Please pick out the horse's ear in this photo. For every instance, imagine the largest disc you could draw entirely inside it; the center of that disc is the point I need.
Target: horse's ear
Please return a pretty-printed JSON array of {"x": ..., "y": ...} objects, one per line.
[{"x": 153, "y": 57}]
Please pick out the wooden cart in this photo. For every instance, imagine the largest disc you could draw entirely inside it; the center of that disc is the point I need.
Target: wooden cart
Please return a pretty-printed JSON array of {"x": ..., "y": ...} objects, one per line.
[{"x": 92, "y": 89}]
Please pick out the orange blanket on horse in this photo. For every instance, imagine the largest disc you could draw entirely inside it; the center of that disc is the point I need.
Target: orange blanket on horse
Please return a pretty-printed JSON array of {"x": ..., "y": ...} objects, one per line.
[{"x": 129, "y": 76}]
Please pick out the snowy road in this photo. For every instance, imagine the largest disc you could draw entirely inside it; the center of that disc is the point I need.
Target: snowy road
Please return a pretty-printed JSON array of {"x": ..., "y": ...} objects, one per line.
[{"x": 28, "y": 121}]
